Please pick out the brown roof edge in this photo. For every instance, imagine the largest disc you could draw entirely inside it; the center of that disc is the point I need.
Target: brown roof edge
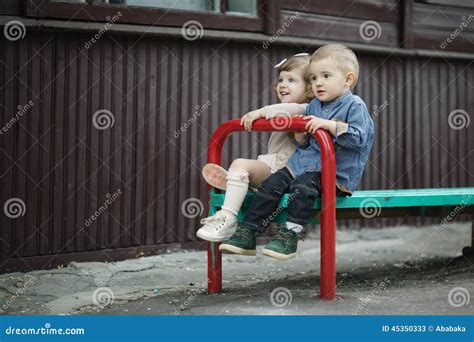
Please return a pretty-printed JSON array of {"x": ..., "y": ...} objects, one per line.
[{"x": 47, "y": 24}]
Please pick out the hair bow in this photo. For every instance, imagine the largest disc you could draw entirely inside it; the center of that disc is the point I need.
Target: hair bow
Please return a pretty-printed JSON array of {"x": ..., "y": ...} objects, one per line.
[{"x": 297, "y": 55}]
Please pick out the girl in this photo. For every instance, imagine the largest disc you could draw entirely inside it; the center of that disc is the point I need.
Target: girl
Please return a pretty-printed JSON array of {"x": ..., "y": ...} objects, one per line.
[{"x": 292, "y": 89}]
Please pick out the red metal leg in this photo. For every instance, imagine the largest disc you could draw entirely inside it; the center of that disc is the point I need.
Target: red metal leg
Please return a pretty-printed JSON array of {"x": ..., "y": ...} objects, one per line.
[
  {"x": 214, "y": 268},
  {"x": 328, "y": 218},
  {"x": 214, "y": 257}
]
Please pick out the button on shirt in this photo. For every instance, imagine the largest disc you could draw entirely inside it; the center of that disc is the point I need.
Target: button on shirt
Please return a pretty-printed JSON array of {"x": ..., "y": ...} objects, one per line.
[{"x": 352, "y": 147}]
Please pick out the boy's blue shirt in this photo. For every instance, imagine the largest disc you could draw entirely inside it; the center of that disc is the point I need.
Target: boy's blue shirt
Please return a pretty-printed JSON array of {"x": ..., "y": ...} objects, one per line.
[{"x": 352, "y": 147}]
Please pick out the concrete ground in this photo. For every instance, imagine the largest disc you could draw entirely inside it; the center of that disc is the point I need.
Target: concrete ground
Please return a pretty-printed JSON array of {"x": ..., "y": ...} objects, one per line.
[{"x": 390, "y": 271}]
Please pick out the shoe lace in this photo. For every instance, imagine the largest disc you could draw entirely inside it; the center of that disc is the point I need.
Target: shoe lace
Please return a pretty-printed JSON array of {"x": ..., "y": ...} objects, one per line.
[
  {"x": 208, "y": 220},
  {"x": 285, "y": 236},
  {"x": 220, "y": 223},
  {"x": 216, "y": 216},
  {"x": 240, "y": 233},
  {"x": 217, "y": 221}
]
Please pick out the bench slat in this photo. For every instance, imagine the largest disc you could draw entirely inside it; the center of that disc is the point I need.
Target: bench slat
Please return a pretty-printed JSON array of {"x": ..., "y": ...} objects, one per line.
[{"x": 384, "y": 198}]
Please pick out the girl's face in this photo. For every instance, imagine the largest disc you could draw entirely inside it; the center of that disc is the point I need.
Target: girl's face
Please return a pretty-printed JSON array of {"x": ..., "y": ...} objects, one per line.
[{"x": 291, "y": 87}]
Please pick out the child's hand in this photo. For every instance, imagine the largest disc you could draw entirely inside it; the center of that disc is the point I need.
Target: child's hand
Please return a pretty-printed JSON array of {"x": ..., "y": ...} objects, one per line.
[
  {"x": 300, "y": 137},
  {"x": 314, "y": 123},
  {"x": 250, "y": 117}
]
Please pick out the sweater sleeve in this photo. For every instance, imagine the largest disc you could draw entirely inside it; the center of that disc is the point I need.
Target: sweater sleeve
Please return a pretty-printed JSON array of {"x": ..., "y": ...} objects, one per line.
[{"x": 284, "y": 109}]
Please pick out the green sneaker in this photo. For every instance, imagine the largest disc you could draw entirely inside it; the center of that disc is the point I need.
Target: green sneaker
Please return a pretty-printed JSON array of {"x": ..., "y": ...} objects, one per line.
[
  {"x": 283, "y": 245},
  {"x": 243, "y": 242}
]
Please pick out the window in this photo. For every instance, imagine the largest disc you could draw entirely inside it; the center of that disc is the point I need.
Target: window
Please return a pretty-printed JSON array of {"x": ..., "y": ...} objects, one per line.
[
  {"x": 239, "y": 15},
  {"x": 236, "y": 7},
  {"x": 461, "y": 3},
  {"x": 242, "y": 7},
  {"x": 71, "y": 1},
  {"x": 189, "y": 5}
]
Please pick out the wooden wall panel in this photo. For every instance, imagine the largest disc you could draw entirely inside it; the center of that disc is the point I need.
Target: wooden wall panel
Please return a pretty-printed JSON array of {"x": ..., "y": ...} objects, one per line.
[{"x": 65, "y": 169}]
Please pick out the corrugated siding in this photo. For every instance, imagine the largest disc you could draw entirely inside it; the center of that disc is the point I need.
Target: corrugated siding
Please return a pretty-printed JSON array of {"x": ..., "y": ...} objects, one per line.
[{"x": 64, "y": 169}]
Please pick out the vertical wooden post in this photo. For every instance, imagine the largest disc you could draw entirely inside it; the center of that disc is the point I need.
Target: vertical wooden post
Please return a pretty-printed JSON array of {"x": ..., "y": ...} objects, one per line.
[
  {"x": 472, "y": 230},
  {"x": 468, "y": 251},
  {"x": 406, "y": 27},
  {"x": 271, "y": 16}
]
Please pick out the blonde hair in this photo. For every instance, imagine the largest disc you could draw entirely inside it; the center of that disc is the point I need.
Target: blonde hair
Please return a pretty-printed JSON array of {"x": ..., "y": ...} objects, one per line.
[
  {"x": 344, "y": 57},
  {"x": 297, "y": 62}
]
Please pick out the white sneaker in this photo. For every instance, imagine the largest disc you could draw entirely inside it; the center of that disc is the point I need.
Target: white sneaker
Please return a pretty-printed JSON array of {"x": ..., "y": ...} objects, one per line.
[{"x": 218, "y": 227}]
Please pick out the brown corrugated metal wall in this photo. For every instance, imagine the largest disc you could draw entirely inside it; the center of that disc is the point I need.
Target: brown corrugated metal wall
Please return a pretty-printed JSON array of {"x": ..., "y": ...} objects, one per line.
[{"x": 64, "y": 169}]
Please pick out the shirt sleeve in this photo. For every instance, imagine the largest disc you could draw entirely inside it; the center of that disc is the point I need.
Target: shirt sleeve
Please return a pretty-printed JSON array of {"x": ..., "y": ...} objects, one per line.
[
  {"x": 284, "y": 109},
  {"x": 353, "y": 134}
]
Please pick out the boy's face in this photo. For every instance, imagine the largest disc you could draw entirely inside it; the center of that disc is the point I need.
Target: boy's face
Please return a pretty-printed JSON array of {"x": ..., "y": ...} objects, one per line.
[
  {"x": 327, "y": 80},
  {"x": 291, "y": 87}
]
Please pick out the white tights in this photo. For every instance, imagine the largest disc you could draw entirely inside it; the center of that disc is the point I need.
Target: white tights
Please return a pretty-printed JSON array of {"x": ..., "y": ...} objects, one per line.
[{"x": 242, "y": 173}]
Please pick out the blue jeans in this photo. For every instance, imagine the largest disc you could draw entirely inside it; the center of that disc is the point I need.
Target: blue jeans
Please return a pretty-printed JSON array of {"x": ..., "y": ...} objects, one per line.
[{"x": 303, "y": 191}]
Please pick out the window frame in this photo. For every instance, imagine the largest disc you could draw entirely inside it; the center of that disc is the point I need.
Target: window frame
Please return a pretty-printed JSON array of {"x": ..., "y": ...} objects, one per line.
[{"x": 152, "y": 16}]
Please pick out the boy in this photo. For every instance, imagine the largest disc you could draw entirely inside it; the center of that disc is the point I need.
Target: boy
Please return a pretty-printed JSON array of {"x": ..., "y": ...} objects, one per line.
[{"x": 333, "y": 72}]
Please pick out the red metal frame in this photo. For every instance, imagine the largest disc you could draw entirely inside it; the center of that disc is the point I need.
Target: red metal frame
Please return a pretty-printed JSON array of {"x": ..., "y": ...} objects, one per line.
[{"x": 328, "y": 208}]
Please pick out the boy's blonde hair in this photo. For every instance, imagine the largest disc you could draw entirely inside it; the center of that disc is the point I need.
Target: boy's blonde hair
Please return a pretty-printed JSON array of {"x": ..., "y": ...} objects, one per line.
[
  {"x": 344, "y": 57},
  {"x": 298, "y": 62}
]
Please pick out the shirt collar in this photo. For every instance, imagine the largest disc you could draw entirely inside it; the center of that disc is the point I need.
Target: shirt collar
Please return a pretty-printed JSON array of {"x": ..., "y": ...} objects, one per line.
[{"x": 338, "y": 100}]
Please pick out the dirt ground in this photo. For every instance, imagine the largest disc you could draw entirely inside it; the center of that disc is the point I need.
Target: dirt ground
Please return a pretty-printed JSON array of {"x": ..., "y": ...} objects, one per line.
[
  {"x": 392, "y": 271},
  {"x": 408, "y": 289}
]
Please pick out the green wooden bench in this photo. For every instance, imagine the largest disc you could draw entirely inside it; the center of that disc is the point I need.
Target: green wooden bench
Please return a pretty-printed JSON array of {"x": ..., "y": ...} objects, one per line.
[
  {"x": 444, "y": 203},
  {"x": 371, "y": 203}
]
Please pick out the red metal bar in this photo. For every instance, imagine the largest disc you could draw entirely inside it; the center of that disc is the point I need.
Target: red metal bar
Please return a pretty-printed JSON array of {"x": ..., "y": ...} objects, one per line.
[
  {"x": 214, "y": 155},
  {"x": 328, "y": 208},
  {"x": 328, "y": 216}
]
